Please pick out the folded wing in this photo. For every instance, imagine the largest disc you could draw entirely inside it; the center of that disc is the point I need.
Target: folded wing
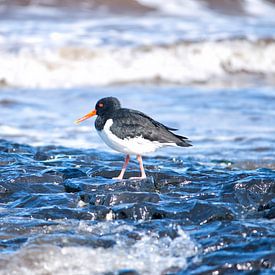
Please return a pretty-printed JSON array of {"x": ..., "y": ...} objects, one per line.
[{"x": 133, "y": 123}]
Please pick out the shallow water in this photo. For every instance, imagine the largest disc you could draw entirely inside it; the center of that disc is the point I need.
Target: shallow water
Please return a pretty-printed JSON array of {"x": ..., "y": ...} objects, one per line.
[
  {"x": 62, "y": 212},
  {"x": 205, "y": 67},
  {"x": 231, "y": 124},
  {"x": 202, "y": 209}
]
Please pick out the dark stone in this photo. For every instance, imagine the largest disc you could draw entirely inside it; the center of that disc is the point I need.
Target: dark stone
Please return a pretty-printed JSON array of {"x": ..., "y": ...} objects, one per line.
[
  {"x": 41, "y": 156},
  {"x": 269, "y": 205},
  {"x": 127, "y": 272},
  {"x": 137, "y": 211},
  {"x": 3, "y": 190},
  {"x": 72, "y": 186},
  {"x": 204, "y": 213},
  {"x": 270, "y": 214},
  {"x": 41, "y": 189},
  {"x": 129, "y": 197},
  {"x": 268, "y": 209},
  {"x": 171, "y": 271},
  {"x": 70, "y": 173},
  {"x": 44, "y": 200},
  {"x": 57, "y": 213},
  {"x": 254, "y": 190}
]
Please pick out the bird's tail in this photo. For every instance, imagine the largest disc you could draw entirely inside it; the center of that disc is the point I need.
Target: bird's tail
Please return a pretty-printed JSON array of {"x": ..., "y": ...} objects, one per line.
[{"x": 183, "y": 141}]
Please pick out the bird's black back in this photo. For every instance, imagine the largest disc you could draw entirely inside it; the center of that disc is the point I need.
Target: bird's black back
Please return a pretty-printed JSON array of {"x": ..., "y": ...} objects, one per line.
[{"x": 129, "y": 123}]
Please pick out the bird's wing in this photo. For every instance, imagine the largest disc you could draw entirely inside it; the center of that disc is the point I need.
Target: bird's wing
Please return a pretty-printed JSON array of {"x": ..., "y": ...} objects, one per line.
[{"x": 130, "y": 123}]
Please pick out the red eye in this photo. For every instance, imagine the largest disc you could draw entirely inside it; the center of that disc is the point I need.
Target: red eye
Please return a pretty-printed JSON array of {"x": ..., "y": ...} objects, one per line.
[{"x": 100, "y": 105}]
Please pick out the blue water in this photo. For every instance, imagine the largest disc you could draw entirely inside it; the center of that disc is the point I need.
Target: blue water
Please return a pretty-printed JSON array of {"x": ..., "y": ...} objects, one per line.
[
  {"x": 202, "y": 209},
  {"x": 207, "y": 209}
]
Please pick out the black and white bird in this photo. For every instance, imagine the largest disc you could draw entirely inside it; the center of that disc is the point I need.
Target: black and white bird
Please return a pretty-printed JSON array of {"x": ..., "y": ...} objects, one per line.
[{"x": 131, "y": 132}]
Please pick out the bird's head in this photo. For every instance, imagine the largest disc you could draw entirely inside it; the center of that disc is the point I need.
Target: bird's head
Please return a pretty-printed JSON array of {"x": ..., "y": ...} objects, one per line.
[{"x": 104, "y": 107}]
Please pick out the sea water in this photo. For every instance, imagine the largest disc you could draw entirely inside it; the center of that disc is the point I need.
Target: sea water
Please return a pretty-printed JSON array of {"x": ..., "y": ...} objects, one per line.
[{"x": 206, "y": 68}]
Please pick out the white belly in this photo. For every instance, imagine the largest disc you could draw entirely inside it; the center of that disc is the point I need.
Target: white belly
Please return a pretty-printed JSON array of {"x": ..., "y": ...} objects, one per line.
[{"x": 132, "y": 146}]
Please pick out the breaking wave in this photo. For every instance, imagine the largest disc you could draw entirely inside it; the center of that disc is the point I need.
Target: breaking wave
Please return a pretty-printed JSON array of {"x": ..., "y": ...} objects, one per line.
[
  {"x": 126, "y": 253},
  {"x": 176, "y": 7},
  {"x": 177, "y": 63}
]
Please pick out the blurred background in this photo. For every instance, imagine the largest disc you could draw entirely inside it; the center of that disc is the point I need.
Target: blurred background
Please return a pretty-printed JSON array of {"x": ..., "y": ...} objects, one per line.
[{"x": 206, "y": 67}]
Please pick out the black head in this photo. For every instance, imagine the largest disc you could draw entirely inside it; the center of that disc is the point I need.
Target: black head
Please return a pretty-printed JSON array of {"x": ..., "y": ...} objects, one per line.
[
  {"x": 103, "y": 108},
  {"x": 107, "y": 105}
]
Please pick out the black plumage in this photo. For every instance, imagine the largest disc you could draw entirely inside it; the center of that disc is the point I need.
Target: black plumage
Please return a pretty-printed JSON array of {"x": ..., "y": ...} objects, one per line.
[{"x": 129, "y": 123}]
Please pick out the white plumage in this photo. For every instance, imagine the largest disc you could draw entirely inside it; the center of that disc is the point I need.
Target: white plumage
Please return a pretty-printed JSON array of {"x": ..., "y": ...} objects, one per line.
[{"x": 132, "y": 146}]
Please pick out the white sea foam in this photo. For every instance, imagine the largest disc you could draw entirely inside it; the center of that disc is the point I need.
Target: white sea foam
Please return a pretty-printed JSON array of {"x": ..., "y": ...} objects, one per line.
[
  {"x": 101, "y": 50},
  {"x": 148, "y": 255},
  {"x": 198, "y": 8},
  {"x": 177, "y": 7},
  {"x": 182, "y": 63},
  {"x": 260, "y": 8}
]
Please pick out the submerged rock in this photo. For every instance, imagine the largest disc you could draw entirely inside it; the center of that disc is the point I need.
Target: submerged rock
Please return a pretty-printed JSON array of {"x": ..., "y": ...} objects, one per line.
[{"x": 63, "y": 197}]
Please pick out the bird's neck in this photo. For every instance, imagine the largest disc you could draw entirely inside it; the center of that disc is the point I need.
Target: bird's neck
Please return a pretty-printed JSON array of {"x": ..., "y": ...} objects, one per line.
[{"x": 100, "y": 122}]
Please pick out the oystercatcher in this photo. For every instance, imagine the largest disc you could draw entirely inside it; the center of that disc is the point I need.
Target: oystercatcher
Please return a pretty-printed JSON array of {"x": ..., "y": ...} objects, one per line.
[{"x": 131, "y": 132}]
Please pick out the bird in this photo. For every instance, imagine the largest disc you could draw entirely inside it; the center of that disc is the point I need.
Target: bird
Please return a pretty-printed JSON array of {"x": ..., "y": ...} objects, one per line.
[{"x": 131, "y": 132}]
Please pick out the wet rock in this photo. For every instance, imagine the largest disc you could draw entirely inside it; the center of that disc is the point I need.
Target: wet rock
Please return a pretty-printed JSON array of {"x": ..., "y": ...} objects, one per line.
[
  {"x": 127, "y": 272},
  {"x": 270, "y": 214},
  {"x": 70, "y": 173},
  {"x": 15, "y": 148},
  {"x": 254, "y": 190},
  {"x": 65, "y": 173},
  {"x": 133, "y": 235},
  {"x": 27, "y": 179},
  {"x": 269, "y": 205},
  {"x": 171, "y": 271},
  {"x": 13, "y": 243},
  {"x": 268, "y": 209},
  {"x": 73, "y": 186},
  {"x": 106, "y": 172},
  {"x": 15, "y": 191},
  {"x": 66, "y": 197},
  {"x": 137, "y": 211},
  {"x": 145, "y": 185},
  {"x": 85, "y": 197},
  {"x": 3, "y": 190},
  {"x": 41, "y": 156},
  {"x": 102, "y": 185},
  {"x": 124, "y": 198},
  {"x": 203, "y": 212},
  {"x": 70, "y": 239},
  {"x": 56, "y": 213},
  {"x": 233, "y": 265},
  {"x": 41, "y": 200},
  {"x": 169, "y": 178}
]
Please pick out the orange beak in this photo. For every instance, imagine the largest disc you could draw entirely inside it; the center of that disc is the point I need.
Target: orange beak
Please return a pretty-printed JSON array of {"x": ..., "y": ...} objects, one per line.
[{"x": 92, "y": 113}]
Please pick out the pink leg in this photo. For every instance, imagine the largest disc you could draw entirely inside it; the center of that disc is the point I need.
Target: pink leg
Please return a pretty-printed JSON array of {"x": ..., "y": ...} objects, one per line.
[
  {"x": 120, "y": 177},
  {"x": 143, "y": 175}
]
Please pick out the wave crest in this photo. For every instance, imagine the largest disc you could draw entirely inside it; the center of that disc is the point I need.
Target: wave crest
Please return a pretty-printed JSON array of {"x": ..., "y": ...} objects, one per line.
[{"x": 179, "y": 63}]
